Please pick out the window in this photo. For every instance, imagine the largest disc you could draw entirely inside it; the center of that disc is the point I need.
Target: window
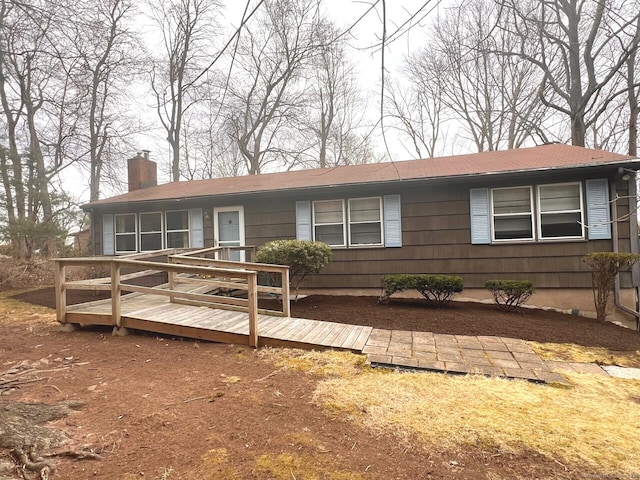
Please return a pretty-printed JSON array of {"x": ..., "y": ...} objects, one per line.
[
  {"x": 126, "y": 233},
  {"x": 328, "y": 222},
  {"x": 560, "y": 209},
  {"x": 365, "y": 221},
  {"x": 150, "y": 231},
  {"x": 512, "y": 213},
  {"x": 177, "y": 224},
  {"x": 558, "y": 213}
]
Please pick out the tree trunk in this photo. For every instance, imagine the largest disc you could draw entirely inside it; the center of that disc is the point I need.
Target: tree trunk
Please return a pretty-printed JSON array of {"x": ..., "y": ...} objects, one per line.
[
  {"x": 578, "y": 133},
  {"x": 633, "y": 105}
]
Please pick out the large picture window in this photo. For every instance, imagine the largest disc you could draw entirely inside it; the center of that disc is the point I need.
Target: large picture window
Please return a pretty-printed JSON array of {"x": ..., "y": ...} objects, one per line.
[
  {"x": 365, "y": 221},
  {"x": 328, "y": 222},
  {"x": 560, "y": 211},
  {"x": 177, "y": 225},
  {"x": 150, "y": 231},
  {"x": 512, "y": 213},
  {"x": 125, "y": 231}
]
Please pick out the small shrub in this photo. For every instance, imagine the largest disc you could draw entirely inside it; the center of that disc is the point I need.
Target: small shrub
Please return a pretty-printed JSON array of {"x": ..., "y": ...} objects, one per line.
[
  {"x": 393, "y": 284},
  {"x": 436, "y": 289},
  {"x": 301, "y": 256},
  {"x": 604, "y": 268},
  {"x": 509, "y": 294}
]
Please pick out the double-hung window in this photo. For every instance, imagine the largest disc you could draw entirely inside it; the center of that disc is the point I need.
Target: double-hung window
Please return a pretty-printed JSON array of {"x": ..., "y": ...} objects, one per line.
[
  {"x": 560, "y": 211},
  {"x": 150, "y": 231},
  {"x": 365, "y": 221},
  {"x": 125, "y": 232},
  {"x": 329, "y": 222},
  {"x": 177, "y": 229},
  {"x": 557, "y": 212},
  {"x": 512, "y": 210},
  {"x": 353, "y": 222}
]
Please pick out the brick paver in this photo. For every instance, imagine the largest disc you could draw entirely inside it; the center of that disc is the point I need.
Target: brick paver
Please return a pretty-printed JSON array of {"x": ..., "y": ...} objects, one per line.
[
  {"x": 461, "y": 354},
  {"x": 481, "y": 355}
]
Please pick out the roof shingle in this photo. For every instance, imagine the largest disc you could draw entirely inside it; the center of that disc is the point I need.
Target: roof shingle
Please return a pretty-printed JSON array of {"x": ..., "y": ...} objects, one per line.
[{"x": 545, "y": 157}]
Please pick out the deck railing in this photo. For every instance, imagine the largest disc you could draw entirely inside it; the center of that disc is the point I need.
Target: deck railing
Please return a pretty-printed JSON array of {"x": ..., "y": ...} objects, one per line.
[{"x": 213, "y": 282}]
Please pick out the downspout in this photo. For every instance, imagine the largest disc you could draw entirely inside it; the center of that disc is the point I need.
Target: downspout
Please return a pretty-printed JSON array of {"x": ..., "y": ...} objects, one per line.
[{"x": 633, "y": 234}]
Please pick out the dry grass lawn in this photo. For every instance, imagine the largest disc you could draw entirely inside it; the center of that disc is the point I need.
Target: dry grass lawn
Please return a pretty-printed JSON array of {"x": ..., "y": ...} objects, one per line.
[
  {"x": 596, "y": 421},
  {"x": 569, "y": 352}
]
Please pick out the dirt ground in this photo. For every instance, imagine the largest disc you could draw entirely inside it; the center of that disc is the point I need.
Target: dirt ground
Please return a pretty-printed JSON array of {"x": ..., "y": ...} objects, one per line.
[{"x": 172, "y": 408}]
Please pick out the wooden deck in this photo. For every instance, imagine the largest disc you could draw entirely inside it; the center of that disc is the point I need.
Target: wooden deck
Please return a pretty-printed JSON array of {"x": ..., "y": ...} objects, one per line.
[
  {"x": 195, "y": 302},
  {"x": 155, "y": 313}
]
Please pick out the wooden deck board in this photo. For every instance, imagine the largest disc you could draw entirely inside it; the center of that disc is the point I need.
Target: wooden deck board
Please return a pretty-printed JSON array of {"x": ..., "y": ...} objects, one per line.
[
  {"x": 353, "y": 335},
  {"x": 276, "y": 326},
  {"x": 339, "y": 341},
  {"x": 319, "y": 334},
  {"x": 296, "y": 328},
  {"x": 155, "y": 313}
]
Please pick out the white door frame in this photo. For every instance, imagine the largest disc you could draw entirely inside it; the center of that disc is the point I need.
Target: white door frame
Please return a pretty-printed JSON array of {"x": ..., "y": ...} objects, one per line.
[{"x": 241, "y": 226}]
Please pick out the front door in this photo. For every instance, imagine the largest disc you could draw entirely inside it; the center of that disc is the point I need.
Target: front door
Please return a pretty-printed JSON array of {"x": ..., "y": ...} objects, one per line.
[{"x": 229, "y": 230}]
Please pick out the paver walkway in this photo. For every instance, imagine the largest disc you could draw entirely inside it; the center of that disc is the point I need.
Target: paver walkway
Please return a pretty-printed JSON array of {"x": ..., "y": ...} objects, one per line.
[{"x": 461, "y": 354}]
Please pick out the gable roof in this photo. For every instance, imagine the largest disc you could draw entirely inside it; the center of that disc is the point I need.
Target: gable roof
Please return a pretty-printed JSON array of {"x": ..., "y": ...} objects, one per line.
[{"x": 541, "y": 158}]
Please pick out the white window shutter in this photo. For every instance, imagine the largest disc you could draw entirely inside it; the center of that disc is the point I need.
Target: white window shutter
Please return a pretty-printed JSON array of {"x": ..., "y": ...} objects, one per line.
[
  {"x": 196, "y": 228},
  {"x": 108, "y": 244},
  {"x": 303, "y": 220},
  {"x": 598, "y": 211},
  {"x": 392, "y": 221},
  {"x": 480, "y": 216}
]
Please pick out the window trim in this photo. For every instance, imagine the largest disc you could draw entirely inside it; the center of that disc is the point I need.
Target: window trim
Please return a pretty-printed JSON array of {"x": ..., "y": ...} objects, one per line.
[
  {"x": 167, "y": 231},
  {"x": 161, "y": 231},
  {"x": 540, "y": 213},
  {"x": 532, "y": 215},
  {"x": 379, "y": 222},
  {"x": 343, "y": 223},
  {"x": 116, "y": 234}
]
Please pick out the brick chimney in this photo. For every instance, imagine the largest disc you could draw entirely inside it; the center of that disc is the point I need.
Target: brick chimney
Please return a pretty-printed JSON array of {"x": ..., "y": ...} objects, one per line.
[{"x": 143, "y": 173}]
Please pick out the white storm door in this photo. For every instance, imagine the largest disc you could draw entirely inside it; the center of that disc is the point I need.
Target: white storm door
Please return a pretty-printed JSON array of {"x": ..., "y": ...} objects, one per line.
[{"x": 229, "y": 230}]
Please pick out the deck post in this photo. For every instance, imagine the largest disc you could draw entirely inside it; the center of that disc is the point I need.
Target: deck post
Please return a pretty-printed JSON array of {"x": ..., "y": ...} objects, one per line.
[
  {"x": 115, "y": 294},
  {"x": 171, "y": 278},
  {"x": 252, "y": 288},
  {"x": 286, "y": 294},
  {"x": 61, "y": 292}
]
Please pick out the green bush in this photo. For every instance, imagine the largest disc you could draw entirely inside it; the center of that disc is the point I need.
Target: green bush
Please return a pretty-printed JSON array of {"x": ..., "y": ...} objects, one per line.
[
  {"x": 436, "y": 289},
  {"x": 510, "y": 293},
  {"x": 604, "y": 268},
  {"x": 301, "y": 256}
]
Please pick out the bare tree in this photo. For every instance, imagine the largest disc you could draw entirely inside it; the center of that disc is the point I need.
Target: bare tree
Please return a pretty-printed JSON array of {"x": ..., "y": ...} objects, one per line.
[
  {"x": 25, "y": 72},
  {"x": 335, "y": 106},
  {"x": 268, "y": 84},
  {"x": 463, "y": 79},
  {"x": 633, "y": 94},
  {"x": 416, "y": 110},
  {"x": 187, "y": 28},
  {"x": 580, "y": 47},
  {"x": 106, "y": 62}
]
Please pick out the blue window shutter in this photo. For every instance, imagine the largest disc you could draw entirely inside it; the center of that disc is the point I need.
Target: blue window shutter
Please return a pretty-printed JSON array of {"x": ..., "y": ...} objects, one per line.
[
  {"x": 303, "y": 220},
  {"x": 392, "y": 221},
  {"x": 196, "y": 228},
  {"x": 598, "y": 211},
  {"x": 480, "y": 216},
  {"x": 108, "y": 244}
]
